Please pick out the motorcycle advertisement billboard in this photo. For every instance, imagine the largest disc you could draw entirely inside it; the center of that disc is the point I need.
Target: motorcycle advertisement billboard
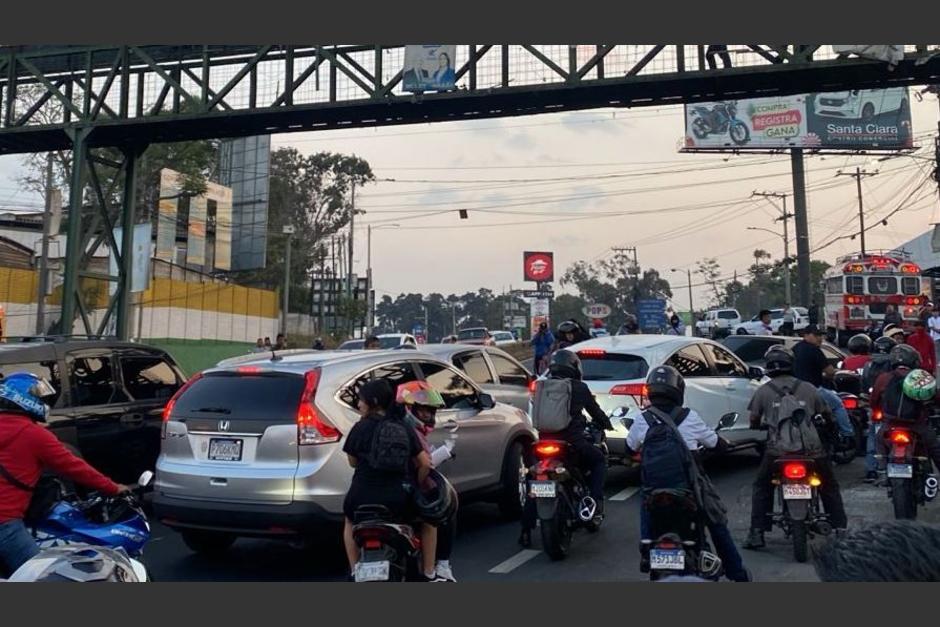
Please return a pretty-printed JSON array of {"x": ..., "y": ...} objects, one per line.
[{"x": 858, "y": 119}]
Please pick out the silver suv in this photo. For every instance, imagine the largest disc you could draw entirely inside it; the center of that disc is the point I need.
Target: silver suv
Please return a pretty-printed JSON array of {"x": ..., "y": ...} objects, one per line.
[{"x": 253, "y": 447}]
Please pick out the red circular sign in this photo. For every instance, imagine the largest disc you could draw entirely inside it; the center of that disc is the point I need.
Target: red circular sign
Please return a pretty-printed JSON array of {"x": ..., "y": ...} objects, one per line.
[{"x": 539, "y": 267}]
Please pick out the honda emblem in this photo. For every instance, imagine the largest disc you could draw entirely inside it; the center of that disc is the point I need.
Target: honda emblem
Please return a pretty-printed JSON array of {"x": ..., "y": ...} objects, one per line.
[{"x": 224, "y": 425}]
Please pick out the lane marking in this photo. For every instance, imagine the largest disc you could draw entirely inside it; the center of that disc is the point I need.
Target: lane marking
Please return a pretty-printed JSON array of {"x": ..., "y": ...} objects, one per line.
[
  {"x": 515, "y": 561},
  {"x": 624, "y": 494}
]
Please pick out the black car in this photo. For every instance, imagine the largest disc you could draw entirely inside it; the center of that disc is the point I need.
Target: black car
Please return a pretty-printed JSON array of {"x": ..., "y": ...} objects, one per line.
[
  {"x": 110, "y": 397},
  {"x": 751, "y": 348}
]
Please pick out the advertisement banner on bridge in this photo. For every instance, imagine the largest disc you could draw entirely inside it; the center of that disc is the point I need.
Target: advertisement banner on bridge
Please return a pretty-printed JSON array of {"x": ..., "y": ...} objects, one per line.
[
  {"x": 860, "y": 119},
  {"x": 429, "y": 67}
]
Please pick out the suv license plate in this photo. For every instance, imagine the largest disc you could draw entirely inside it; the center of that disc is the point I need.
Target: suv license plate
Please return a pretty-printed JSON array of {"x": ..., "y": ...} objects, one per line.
[
  {"x": 797, "y": 491},
  {"x": 667, "y": 559},
  {"x": 225, "y": 450},
  {"x": 372, "y": 571},
  {"x": 542, "y": 489},
  {"x": 900, "y": 471}
]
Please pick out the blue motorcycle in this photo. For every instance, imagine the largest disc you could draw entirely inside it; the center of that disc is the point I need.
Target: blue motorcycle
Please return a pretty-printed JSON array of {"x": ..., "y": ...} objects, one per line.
[
  {"x": 116, "y": 522},
  {"x": 721, "y": 118}
]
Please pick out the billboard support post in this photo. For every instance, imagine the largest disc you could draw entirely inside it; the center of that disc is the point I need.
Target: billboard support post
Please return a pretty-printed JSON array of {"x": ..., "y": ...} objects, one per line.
[{"x": 802, "y": 225}]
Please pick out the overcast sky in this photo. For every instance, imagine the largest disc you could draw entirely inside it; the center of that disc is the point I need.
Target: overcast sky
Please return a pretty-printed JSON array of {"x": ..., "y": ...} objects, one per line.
[{"x": 553, "y": 177}]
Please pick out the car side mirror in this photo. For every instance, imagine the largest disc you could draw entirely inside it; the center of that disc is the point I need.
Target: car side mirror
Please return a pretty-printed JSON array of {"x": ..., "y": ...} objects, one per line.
[
  {"x": 486, "y": 401},
  {"x": 727, "y": 421},
  {"x": 755, "y": 372}
]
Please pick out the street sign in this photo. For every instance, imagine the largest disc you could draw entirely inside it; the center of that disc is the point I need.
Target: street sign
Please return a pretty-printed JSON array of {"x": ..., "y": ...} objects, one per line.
[
  {"x": 538, "y": 266},
  {"x": 538, "y": 294},
  {"x": 596, "y": 311},
  {"x": 651, "y": 314}
]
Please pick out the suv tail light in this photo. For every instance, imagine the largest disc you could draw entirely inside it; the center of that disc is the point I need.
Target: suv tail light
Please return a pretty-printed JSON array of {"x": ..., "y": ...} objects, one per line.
[
  {"x": 532, "y": 386},
  {"x": 312, "y": 428},
  {"x": 168, "y": 408}
]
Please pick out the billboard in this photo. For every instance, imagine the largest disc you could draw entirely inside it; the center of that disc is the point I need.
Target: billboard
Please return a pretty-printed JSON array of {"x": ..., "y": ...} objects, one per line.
[
  {"x": 140, "y": 268},
  {"x": 429, "y": 67},
  {"x": 858, "y": 119},
  {"x": 538, "y": 267},
  {"x": 245, "y": 166},
  {"x": 651, "y": 314}
]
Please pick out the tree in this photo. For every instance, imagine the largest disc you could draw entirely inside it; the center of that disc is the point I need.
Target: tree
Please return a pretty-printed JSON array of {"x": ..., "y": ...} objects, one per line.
[{"x": 710, "y": 271}]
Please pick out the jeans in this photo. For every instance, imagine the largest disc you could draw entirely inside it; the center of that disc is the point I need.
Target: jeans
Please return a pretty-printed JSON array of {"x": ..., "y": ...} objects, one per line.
[
  {"x": 838, "y": 410},
  {"x": 871, "y": 464},
  {"x": 590, "y": 458},
  {"x": 721, "y": 538},
  {"x": 762, "y": 494},
  {"x": 446, "y": 535},
  {"x": 16, "y": 546}
]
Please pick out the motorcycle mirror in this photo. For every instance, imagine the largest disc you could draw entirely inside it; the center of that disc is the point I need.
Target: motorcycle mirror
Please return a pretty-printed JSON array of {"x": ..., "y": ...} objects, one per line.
[
  {"x": 727, "y": 421},
  {"x": 145, "y": 479}
]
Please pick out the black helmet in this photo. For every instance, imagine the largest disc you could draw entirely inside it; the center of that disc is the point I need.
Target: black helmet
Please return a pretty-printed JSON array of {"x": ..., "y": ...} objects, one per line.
[
  {"x": 883, "y": 345},
  {"x": 437, "y": 505},
  {"x": 859, "y": 344},
  {"x": 568, "y": 326},
  {"x": 778, "y": 360},
  {"x": 665, "y": 382},
  {"x": 565, "y": 364},
  {"x": 904, "y": 355}
]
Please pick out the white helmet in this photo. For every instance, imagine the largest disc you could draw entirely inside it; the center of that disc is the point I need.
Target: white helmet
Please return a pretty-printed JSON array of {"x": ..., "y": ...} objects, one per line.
[{"x": 80, "y": 563}]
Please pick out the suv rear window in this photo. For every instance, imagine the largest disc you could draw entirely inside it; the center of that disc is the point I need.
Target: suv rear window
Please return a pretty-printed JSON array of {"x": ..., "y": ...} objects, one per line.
[
  {"x": 748, "y": 348},
  {"x": 727, "y": 315},
  {"x": 262, "y": 397},
  {"x": 613, "y": 367},
  {"x": 471, "y": 334}
]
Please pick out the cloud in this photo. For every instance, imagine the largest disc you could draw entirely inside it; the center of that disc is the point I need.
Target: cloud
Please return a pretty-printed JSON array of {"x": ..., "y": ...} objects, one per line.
[
  {"x": 521, "y": 141},
  {"x": 607, "y": 123}
]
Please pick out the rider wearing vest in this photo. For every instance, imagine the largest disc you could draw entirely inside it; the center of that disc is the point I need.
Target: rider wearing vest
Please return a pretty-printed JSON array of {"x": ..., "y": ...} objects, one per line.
[
  {"x": 888, "y": 390},
  {"x": 763, "y": 409},
  {"x": 666, "y": 391}
]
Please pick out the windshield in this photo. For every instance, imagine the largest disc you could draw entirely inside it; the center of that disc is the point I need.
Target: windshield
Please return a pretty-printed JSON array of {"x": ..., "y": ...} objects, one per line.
[
  {"x": 776, "y": 314},
  {"x": 389, "y": 342},
  {"x": 472, "y": 334},
  {"x": 748, "y": 348},
  {"x": 612, "y": 367},
  {"x": 727, "y": 315}
]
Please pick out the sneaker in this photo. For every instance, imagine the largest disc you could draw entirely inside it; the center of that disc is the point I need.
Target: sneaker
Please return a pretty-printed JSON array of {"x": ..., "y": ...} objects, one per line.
[
  {"x": 443, "y": 571},
  {"x": 433, "y": 578},
  {"x": 871, "y": 477},
  {"x": 755, "y": 539}
]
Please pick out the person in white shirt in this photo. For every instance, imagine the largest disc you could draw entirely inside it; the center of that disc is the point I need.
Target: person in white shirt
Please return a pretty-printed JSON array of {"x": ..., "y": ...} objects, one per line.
[
  {"x": 666, "y": 392},
  {"x": 933, "y": 323},
  {"x": 789, "y": 319},
  {"x": 764, "y": 328}
]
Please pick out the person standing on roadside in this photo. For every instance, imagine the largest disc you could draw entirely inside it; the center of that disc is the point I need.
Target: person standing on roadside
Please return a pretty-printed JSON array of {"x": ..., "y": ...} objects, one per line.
[
  {"x": 933, "y": 323},
  {"x": 789, "y": 317},
  {"x": 542, "y": 342},
  {"x": 924, "y": 345}
]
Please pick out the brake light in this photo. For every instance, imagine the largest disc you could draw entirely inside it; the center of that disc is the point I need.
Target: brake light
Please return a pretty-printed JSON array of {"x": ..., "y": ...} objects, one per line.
[
  {"x": 850, "y": 402},
  {"x": 912, "y": 300},
  {"x": 876, "y": 415},
  {"x": 248, "y": 369},
  {"x": 372, "y": 543},
  {"x": 593, "y": 353},
  {"x": 900, "y": 437},
  {"x": 532, "y": 386},
  {"x": 312, "y": 428},
  {"x": 547, "y": 449},
  {"x": 168, "y": 408},
  {"x": 794, "y": 470}
]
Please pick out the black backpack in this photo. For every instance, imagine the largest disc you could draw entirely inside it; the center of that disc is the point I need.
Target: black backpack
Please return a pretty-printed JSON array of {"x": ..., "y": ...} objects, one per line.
[
  {"x": 895, "y": 404},
  {"x": 665, "y": 463},
  {"x": 45, "y": 494},
  {"x": 391, "y": 446}
]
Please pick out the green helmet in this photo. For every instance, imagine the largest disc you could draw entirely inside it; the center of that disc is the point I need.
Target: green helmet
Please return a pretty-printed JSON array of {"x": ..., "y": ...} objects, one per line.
[{"x": 919, "y": 385}]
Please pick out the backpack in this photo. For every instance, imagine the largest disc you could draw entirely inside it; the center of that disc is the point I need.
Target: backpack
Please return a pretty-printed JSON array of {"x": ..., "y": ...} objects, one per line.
[
  {"x": 45, "y": 494},
  {"x": 666, "y": 461},
  {"x": 551, "y": 405},
  {"x": 795, "y": 430},
  {"x": 391, "y": 446},
  {"x": 897, "y": 405},
  {"x": 874, "y": 369}
]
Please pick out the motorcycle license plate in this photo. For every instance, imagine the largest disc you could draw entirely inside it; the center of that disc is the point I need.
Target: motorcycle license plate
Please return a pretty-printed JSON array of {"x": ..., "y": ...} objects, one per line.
[
  {"x": 797, "y": 491},
  {"x": 372, "y": 571},
  {"x": 225, "y": 450},
  {"x": 900, "y": 471},
  {"x": 667, "y": 559},
  {"x": 542, "y": 489}
]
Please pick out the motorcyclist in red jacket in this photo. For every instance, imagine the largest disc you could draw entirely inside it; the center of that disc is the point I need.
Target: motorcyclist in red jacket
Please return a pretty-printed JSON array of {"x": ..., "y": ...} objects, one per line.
[{"x": 26, "y": 449}]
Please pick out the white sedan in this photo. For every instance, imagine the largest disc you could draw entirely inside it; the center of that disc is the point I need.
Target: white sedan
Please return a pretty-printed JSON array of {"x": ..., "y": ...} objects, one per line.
[{"x": 716, "y": 381}]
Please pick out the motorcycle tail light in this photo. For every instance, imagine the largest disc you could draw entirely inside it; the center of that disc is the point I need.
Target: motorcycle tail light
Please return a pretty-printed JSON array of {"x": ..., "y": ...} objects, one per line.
[
  {"x": 548, "y": 449},
  {"x": 850, "y": 402},
  {"x": 794, "y": 470},
  {"x": 900, "y": 437},
  {"x": 372, "y": 543},
  {"x": 876, "y": 415}
]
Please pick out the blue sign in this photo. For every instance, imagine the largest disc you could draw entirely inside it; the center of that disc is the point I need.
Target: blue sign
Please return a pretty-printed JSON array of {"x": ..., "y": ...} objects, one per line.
[
  {"x": 651, "y": 315},
  {"x": 417, "y": 329}
]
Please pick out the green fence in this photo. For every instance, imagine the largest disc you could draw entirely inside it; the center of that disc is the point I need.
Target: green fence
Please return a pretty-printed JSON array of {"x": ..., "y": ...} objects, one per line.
[{"x": 196, "y": 355}]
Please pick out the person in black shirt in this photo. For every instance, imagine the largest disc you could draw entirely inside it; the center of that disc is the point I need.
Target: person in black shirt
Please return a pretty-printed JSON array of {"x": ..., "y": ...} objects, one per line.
[
  {"x": 810, "y": 365},
  {"x": 372, "y": 486}
]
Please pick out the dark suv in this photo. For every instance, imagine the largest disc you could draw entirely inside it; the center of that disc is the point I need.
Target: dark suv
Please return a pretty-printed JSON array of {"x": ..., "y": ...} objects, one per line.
[{"x": 110, "y": 397}]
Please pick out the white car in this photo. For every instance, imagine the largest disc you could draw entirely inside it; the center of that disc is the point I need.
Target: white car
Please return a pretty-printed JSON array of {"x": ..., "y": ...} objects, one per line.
[
  {"x": 719, "y": 322},
  {"x": 396, "y": 340},
  {"x": 754, "y": 326},
  {"x": 716, "y": 381},
  {"x": 861, "y": 104},
  {"x": 501, "y": 338}
]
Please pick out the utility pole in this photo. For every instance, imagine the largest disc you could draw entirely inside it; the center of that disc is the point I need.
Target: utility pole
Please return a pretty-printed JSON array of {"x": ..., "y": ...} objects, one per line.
[
  {"x": 288, "y": 232},
  {"x": 801, "y": 220},
  {"x": 857, "y": 175},
  {"x": 369, "y": 300},
  {"x": 784, "y": 217},
  {"x": 44, "y": 255}
]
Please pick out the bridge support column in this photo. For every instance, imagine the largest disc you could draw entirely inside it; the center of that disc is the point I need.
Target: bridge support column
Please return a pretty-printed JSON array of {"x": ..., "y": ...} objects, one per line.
[{"x": 73, "y": 251}]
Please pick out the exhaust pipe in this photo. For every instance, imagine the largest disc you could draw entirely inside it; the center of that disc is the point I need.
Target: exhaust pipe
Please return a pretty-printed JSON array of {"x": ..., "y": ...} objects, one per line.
[
  {"x": 931, "y": 486},
  {"x": 587, "y": 509}
]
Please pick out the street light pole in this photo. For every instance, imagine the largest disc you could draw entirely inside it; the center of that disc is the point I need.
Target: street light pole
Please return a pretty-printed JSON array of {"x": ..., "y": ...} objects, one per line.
[
  {"x": 288, "y": 231},
  {"x": 370, "y": 323},
  {"x": 688, "y": 273},
  {"x": 784, "y": 217}
]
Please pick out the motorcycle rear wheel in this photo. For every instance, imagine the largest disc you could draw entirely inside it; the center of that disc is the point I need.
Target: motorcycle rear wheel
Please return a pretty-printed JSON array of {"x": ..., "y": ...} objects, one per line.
[
  {"x": 556, "y": 534},
  {"x": 902, "y": 497},
  {"x": 800, "y": 542}
]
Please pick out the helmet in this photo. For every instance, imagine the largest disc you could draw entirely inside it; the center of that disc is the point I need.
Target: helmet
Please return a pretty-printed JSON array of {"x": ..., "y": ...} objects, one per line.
[
  {"x": 78, "y": 562},
  {"x": 568, "y": 326},
  {"x": 27, "y": 392},
  {"x": 859, "y": 344},
  {"x": 565, "y": 364},
  {"x": 666, "y": 382},
  {"x": 919, "y": 385},
  {"x": 905, "y": 355},
  {"x": 893, "y": 331},
  {"x": 437, "y": 505},
  {"x": 883, "y": 345},
  {"x": 419, "y": 393},
  {"x": 779, "y": 360}
]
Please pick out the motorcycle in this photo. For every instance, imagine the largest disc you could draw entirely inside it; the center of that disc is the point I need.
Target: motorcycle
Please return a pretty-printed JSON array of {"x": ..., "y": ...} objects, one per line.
[
  {"x": 677, "y": 525},
  {"x": 911, "y": 481},
  {"x": 797, "y": 509},
  {"x": 562, "y": 499},
  {"x": 844, "y": 451},
  {"x": 388, "y": 549},
  {"x": 721, "y": 118},
  {"x": 115, "y": 522}
]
